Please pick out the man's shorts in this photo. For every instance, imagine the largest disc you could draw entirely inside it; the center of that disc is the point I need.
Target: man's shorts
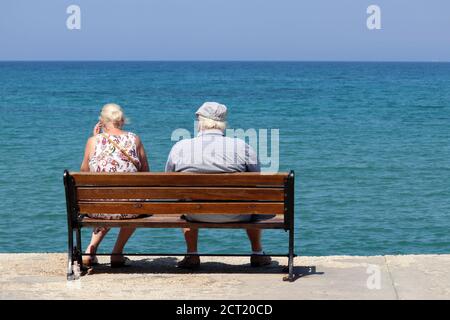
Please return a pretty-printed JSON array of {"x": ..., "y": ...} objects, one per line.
[{"x": 227, "y": 218}]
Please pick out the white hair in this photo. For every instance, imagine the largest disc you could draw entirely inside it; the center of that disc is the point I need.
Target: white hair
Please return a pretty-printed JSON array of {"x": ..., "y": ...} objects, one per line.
[
  {"x": 207, "y": 124},
  {"x": 112, "y": 113}
]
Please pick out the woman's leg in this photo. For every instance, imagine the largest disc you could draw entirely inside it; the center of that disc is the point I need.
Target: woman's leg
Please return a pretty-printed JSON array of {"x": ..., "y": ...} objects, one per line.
[
  {"x": 97, "y": 236},
  {"x": 122, "y": 238}
]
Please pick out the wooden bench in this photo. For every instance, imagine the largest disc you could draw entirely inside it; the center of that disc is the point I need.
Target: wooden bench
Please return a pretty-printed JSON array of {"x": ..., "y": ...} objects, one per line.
[{"x": 167, "y": 196}]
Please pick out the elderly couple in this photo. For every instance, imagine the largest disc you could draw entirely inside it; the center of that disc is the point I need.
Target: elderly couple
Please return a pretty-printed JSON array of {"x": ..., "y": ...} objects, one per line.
[{"x": 111, "y": 149}]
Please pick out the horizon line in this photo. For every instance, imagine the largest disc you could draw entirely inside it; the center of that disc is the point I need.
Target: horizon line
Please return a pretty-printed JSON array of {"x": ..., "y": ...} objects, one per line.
[{"x": 231, "y": 60}]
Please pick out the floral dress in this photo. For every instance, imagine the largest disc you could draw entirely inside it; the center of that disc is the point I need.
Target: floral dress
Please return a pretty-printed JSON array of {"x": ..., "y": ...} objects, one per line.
[{"x": 108, "y": 158}]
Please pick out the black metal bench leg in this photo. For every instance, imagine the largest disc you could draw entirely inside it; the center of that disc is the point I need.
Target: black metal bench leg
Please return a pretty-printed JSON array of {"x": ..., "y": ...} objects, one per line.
[
  {"x": 70, "y": 257},
  {"x": 290, "y": 277},
  {"x": 79, "y": 249},
  {"x": 289, "y": 219},
  {"x": 291, "y": 268}
]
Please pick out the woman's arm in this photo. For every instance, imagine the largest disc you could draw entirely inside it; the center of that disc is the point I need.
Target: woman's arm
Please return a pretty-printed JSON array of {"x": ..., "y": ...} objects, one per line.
[
  {"x": 87, "y": 153},
  {"x": 142, "y": 155}
]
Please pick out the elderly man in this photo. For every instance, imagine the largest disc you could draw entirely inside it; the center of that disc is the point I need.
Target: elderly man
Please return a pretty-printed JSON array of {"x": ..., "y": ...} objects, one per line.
[{"x": 212, "y": 152}]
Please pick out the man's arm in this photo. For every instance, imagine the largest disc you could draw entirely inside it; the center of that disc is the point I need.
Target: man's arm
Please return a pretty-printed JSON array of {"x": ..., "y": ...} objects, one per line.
[
  {"x": 170, "y": 166},
  {"x": 251, "y": 159}
]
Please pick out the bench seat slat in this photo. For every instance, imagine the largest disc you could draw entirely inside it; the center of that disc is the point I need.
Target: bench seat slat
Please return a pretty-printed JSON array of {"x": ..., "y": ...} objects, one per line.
[
  {"x": 181, "y": 207},
  {"x": 161, "y": 221},
  {"x": 184, "y": 193},
  {"x": 149, "y": 179}
]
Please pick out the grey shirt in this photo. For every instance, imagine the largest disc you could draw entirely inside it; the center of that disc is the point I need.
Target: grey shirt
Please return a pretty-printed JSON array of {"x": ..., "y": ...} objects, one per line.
[{"x": 212, "y": 152}]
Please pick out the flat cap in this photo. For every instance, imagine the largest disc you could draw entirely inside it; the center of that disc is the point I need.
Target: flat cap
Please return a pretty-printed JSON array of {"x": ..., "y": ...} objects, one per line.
[{"x": 213, "y": 110}]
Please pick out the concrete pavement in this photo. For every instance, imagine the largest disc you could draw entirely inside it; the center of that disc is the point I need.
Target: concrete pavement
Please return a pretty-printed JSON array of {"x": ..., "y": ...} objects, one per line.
[{"x": 42, "y": 276}]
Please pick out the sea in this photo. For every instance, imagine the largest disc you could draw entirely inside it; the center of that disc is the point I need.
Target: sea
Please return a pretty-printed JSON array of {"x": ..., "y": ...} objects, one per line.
[{"x": 369, "y": 143}]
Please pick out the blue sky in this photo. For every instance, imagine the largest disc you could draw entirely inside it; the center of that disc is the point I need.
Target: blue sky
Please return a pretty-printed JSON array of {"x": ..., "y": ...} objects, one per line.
[{"x": 412, "y": 30}]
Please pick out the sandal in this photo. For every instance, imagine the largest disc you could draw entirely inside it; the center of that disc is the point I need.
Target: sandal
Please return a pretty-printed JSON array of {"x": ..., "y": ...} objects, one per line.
[
  {"x": 90, "y": 261},
  {"x": 189, "y": 262},
  {"x": 257, "y": 260},
  {"x": 123, "y": 262}
]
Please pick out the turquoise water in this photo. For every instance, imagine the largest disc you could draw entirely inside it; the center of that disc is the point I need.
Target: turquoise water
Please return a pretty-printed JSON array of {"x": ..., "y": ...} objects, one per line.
[{"x": 369, "y": 143}]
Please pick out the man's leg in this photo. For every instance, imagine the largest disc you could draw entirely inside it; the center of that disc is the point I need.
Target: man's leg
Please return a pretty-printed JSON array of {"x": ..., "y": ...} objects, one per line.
[
  {"x": 190, "y": 261},
  {"x": 255, "y": 239},
  {"x": 257, "y": 259},
  {"x": 191, "y": 237}
]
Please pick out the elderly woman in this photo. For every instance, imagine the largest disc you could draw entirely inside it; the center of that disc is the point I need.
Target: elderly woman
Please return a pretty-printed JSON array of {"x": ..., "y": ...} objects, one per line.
[{"x": 111, "y": 149}]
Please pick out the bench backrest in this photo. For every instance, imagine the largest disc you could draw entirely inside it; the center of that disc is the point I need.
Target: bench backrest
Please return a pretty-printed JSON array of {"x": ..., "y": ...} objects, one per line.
[{"x": 180, "y": 193}]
